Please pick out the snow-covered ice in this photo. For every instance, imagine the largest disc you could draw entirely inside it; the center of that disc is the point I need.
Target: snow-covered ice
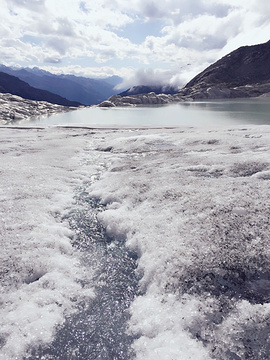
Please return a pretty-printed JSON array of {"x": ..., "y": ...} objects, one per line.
[{"x": 192, "y": 203}]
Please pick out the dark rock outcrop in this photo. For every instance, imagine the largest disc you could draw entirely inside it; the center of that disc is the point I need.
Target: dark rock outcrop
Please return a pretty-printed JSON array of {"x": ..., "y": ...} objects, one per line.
[{"x": 243, "y": 73}]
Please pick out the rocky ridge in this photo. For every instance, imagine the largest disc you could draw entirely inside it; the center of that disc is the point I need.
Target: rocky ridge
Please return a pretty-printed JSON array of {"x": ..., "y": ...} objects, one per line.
[
  {"x": 243, "y": 73},
  {"x": 140, "y": 100},
  {"x": 14, "y": 108}
]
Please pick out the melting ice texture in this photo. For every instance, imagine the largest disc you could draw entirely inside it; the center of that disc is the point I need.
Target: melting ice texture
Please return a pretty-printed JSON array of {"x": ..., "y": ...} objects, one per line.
[
  {"x": 39, "y": 269},
  {"x": 192, "y": 203}
]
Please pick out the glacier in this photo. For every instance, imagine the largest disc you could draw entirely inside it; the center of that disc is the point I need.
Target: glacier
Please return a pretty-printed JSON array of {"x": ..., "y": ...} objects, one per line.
[{"x": 187, "y": 206}]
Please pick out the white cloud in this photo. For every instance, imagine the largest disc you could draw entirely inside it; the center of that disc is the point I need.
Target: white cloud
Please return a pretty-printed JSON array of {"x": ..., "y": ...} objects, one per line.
[
  {"x": 31, "y": 5},
  {"x": 196, "y": 32},
  {"x": 156, "y": 77}
]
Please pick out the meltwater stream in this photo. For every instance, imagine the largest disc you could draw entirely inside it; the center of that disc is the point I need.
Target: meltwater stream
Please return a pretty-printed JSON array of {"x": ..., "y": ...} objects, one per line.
[{"x": 98, "y": 329}]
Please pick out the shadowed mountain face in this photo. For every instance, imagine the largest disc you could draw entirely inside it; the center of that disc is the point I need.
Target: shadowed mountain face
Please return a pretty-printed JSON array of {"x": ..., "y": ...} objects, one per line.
[
  {"x": 13, "y": 85},
  {"x": 244, "y": 72},
  {"x": 79, "y": 89}
]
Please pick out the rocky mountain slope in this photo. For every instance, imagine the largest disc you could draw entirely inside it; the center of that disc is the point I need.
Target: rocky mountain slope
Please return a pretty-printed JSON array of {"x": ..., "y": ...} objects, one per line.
[
  {"x": 79, "y": 89},
  {"x": 12, "y": 85},
  {"x": 14, "y": 108},
  {"x": 243, "y": 73}
]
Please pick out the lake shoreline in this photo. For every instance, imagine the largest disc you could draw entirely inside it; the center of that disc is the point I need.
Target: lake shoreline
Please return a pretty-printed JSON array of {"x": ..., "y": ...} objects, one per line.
[{"x": 195, "y": 113}]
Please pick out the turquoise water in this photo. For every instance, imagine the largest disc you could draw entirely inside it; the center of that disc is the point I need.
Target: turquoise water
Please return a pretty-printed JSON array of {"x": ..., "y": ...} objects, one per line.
[{"x": 202, "y": 113}]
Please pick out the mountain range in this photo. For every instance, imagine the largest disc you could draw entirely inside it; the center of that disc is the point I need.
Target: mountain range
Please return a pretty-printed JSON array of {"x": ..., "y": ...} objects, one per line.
[
  {"x": 13, "y": 85},
  {"x": 78, "y": 90},
  {"x": 242, "y": 73}
]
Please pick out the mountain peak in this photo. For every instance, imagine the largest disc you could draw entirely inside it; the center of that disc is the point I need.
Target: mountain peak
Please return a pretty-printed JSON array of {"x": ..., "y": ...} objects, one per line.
[{"x": 246, "y": 66}]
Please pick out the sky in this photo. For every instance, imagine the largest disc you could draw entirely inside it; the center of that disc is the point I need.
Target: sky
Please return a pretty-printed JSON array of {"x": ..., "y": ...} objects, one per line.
[{"x": 143, "y": 41}]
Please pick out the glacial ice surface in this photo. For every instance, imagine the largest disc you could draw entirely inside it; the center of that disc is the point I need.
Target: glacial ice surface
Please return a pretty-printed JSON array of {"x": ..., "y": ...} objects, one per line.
[{"x": 191, "y": 203}]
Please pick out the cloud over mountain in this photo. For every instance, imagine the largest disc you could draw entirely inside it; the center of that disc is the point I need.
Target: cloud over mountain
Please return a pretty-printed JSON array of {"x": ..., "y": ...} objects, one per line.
[{"x": 123, "y": 37}]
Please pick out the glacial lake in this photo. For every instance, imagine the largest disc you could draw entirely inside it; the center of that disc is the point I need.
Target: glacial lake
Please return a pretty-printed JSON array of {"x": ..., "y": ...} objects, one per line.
[{"x": 199, "y": 113}]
